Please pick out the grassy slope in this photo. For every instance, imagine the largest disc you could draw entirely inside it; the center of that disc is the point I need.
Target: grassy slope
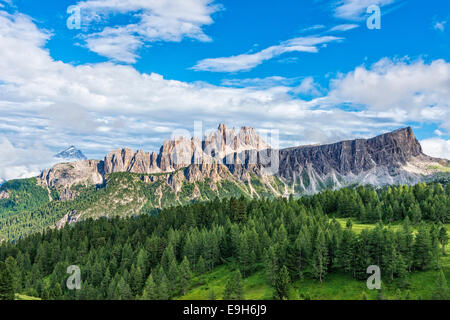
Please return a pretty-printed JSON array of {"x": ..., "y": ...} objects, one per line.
[
  {"x": 24, "y": 297},
  {"x": 335, "y": 287}
]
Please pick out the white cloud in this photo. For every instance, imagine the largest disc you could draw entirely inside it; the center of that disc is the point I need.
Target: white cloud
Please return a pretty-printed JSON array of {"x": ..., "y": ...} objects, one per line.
[
  {"x": 115, "y": 44},
  {"x": 157, "y": 20},
  {"x": 248, "y": 61},
  {"x": 308, "y": 87},
  {"x": 415, "y": 91},
  {"x": 313, "y": 28},
  {"x": 258, "y": 82},
  {"x": 344, "y": 27},
  {"x": 18, "y": 162},
  {"x": 440, "y": 25},
  {"x": 355, "y": 9},
  {"x": 436, "y": 147}
]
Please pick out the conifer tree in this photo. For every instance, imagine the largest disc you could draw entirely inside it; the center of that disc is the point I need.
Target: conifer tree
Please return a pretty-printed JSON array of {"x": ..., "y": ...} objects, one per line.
[
  {"x": 320, "y": 257},
  {"x": 282, "y": 285},
  {"x": 422, "y": 248},
  {"x": 443, "y": 238},
  {"x": 271, "y": 265},
  {"x": 13, "y": 268},
  {"x": 441, "y": 292},
  {"x": 201, "y": 267},
  {"x": 6, "y": 283},
  {"x": 150, "y": 290},
  {"x": 234, "y": 289},
  {"x": 163, "y": 289},
  {"x": 185, "y": 275}
]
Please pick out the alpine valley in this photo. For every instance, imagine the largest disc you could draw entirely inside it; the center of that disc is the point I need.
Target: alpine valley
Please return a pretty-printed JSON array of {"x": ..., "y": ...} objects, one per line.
[{"x": 227, "y": 163}]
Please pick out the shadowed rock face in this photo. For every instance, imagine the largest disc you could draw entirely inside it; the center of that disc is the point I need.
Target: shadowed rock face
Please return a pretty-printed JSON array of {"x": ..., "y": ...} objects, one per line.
[{"x": 391, "y": 150}]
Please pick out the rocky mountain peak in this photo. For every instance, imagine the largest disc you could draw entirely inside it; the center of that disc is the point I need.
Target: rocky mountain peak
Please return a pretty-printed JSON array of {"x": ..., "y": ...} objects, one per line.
[{"x": 71, "y": 154}]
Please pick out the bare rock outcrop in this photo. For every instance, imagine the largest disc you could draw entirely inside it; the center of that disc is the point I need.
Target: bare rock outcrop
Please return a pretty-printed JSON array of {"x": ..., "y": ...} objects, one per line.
[
  {"x": 66, "y": 175},
  {"x": 69, "y": 218}
]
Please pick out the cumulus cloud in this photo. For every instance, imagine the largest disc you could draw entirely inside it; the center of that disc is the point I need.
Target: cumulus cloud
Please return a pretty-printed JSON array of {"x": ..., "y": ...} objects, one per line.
[
  {"x": 248, "y": 61},
  {"x": 116, "y": 44},
  {"x": 436, "y": 147},
  {"x": 408, "y": 91},
  {"x": 156, "y": 20}
]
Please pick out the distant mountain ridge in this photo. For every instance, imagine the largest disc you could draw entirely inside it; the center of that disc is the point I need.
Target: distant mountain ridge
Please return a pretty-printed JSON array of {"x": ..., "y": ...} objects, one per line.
[{"x": 71, "y": 154}]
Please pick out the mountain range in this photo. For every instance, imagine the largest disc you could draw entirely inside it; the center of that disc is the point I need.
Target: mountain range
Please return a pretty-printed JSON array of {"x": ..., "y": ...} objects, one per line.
[
  {"x": 391, "y": 158},
  {"x": 225, "y": 163}
]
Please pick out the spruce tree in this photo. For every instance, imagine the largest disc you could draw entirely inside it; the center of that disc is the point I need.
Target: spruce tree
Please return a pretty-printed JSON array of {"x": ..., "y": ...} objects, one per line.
[
  {"x": 163, "y": 289},
  {"x": 282, "y": 284},
  {"x": 443, "y": 238},
  {"x": 234, "y": 289},
  {"x": 271, "y": 265},
  {"x": 441, "y": 291},
  {"x": 422, "y": 248},
  {"x": 13, "y": 268},
  {"x": 150, "y": 290},
  {"x": 320, "y": 257},
  {"x": 185, "y": 275},
  {"x": 6, "y": 283}
]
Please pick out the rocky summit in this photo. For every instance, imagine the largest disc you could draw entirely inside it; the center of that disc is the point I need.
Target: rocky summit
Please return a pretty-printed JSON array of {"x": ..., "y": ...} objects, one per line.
[{"x": 71, "y": 154}]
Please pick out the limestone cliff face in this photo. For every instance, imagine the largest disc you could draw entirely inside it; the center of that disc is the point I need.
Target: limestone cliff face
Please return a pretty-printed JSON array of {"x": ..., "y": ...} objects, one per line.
[
  {"x": 226, "y": 141},
  {"x": 125, "y": 160},
  {"x": 182, "y": 152},
  {"x": 66, "y": 175},
  {"x": 391, "y": 150},
  {"x": 392, "y": 158}
]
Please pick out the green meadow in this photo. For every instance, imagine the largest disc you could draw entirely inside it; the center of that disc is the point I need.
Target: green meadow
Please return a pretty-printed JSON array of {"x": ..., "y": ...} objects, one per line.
[{"x": 336, "y": 286}]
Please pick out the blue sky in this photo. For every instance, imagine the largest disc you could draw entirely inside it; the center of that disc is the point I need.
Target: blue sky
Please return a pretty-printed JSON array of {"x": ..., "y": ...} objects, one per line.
[{"x": 137, "y": 70}]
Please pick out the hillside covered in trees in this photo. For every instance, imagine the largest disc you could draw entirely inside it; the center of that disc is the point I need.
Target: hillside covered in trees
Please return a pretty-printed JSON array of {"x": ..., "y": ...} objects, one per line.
[{"x": 157, "y": 256}]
